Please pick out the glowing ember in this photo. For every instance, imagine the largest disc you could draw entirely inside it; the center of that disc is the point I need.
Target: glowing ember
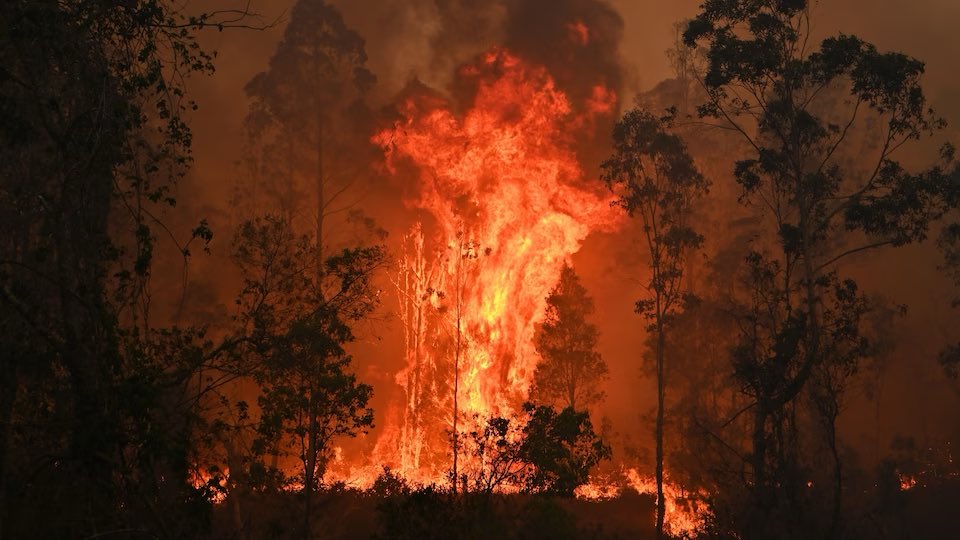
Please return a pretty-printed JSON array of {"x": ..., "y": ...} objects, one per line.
[
  {"x": 509, "y": 205},
  {"x": 907, "y": 481}
]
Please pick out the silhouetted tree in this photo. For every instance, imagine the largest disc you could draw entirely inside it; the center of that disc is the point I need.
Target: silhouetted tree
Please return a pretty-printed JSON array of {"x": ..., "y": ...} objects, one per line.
[
  {"x": 561, "y": 447},
  {"x": 949, "y": 243},
  {"x": 297, "y": 328},
  {"x": 657, "y": 180},
  {"x": 540, "y": 451},
  {"x": 571, "y": 370},
  {"x": 306, "y": 112},
  {"x": 92, "y": 139},
  {"x": 799, "y": 107}
]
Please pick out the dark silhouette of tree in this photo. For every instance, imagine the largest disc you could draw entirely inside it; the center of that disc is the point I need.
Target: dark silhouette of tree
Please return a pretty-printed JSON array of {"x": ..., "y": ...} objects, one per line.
[
  {"x": 92, "y": 140},
  {"x": 297, "y": 329},
  {"x": 305, "y": 107},
  {"x": 540, "y": 451},
  {"x": 561, "y": 447},
  {"x": 949, "y": 243},
  {"x": 307, "y": 112},
  {"x": 571, "y": 370},
  {"x": 827, "y": 196},
  {"x": 657, "y": 180}
]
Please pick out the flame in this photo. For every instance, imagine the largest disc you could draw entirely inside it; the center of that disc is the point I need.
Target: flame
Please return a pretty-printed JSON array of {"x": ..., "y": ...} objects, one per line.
[
  {"x": 508, "y": 204},
  {"x": 907, "y": 481},
  {"x": 685, "y": 513}
]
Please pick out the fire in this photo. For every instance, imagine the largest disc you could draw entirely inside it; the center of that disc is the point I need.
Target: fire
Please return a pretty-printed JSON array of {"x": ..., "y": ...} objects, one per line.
[
  {"x": 508, "y": 205},
  {"x": 907, "y": 481},
  {"x": 686, "y": 513}
]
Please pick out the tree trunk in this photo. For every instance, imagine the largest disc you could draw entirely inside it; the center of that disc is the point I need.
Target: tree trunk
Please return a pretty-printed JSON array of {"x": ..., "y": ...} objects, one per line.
[
  {"x": 456, "y": 371},
  {"x": 838, "y": 477},
  {"x": 758, "y": 460},
  {"x": 311, "y": 463},
  {"x": 661, "y": 507},
  {"x": 8, "y": 396}
]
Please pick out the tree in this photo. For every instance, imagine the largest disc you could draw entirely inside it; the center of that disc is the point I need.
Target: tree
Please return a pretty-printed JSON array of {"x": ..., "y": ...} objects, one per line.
[
  {"x": 540, "y": 451},
  {"x": 571, "y": 369},
  {"x": 561, "y": 447},
  {"x": 92, "y": 96},
  {"x": 657, "y": 180},
  {"x": 298, "y": 327},
  {"x": 823, "y": 125},
  {"x": 308, "y": 110},
  {"x": 949, "y": 243}
]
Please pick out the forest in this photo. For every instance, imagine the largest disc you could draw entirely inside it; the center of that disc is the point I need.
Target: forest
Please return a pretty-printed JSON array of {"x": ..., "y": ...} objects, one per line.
[{"x": 511, "y": 269}]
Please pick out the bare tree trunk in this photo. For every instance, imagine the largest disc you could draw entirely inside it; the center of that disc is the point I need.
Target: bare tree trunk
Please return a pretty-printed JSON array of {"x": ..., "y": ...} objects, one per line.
[
  {"x": 838, "y": 478},
  {"x": 456, "y": 367},
  {"x": 8, "y": 395},
  {"x": 758, "y": 463}
]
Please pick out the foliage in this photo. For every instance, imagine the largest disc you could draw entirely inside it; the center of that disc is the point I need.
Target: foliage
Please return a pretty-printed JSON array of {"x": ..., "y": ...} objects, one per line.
[
  {"x": 571, "y": 370},
  {"x": 657, "y": 179},
  {"x": 92, "y": 141},
  {"x": 307, "y": 113},
  {"x": 562, "y": 448},
  {"x": 296, "y": 328},
  {"x": 431, "y": 512},
  {"x": 823, "y": 125},
  {"x": 545, "y": 452}
]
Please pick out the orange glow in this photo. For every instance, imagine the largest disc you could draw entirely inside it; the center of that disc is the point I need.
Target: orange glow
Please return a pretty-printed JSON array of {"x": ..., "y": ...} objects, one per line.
[
  {"x": 686, "y": 513},
  {"x": 579, "y": 33},
  {"x": 507, "y": 205},
  {"x": 907, "y": 481}
]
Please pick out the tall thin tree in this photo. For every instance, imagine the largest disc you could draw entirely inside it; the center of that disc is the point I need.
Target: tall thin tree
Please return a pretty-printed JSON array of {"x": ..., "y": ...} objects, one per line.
[{"x": 657, "y": 180}]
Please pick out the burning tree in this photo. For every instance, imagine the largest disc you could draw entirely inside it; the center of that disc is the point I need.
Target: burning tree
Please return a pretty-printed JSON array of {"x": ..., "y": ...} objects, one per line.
[
  {"x": 571, "y": 369},
  {"x": 504, "y": 175},
  {"x": 658, "y": 181},
  {"x": 823, "y": 125}
]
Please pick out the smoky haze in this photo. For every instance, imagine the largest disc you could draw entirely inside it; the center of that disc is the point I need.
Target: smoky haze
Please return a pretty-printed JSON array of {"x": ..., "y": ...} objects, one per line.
[{"x": 428, "y": 40}]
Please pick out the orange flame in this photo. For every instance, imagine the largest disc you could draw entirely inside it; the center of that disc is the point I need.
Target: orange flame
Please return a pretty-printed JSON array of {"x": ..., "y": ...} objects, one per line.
[{"x": 509, "y": 205}]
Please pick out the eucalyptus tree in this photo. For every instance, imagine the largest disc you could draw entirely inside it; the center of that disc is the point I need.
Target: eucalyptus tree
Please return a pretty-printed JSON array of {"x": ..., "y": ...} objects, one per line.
[
  {"x": 306, "y": 111},
  {"x": 823, "y": 122},
  {"x": 297, "y": 330},
  {"x": 93, "y": 138},
  {"x": 657, "y": 181}
]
